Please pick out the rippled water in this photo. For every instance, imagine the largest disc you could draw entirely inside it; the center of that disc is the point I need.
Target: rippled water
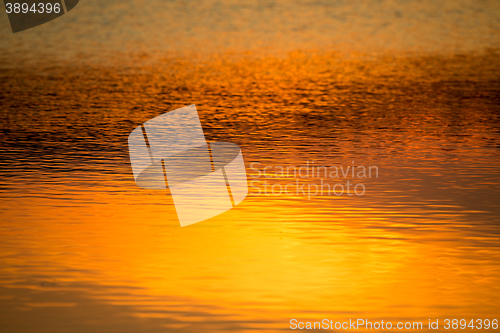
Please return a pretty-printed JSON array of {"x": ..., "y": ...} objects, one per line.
[{"x": 82, "y": 248}]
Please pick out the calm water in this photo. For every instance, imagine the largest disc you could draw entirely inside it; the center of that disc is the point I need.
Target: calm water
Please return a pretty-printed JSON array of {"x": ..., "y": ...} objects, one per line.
[{"x": 82, "y": 248}]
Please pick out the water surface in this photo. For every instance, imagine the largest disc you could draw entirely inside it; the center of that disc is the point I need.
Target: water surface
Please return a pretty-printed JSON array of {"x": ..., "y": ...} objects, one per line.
[{"x": 84, "y": 249}]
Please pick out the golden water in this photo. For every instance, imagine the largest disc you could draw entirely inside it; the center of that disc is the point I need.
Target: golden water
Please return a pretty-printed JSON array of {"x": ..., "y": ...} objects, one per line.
[{"x": 83, "y": 249}]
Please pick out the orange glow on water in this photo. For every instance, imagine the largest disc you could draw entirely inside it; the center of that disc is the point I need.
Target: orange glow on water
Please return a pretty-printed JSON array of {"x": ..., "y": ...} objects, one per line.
[{"x": 78, "y": 236}]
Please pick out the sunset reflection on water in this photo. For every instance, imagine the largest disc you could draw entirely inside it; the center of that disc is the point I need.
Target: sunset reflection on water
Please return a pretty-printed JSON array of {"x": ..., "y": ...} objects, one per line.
[
  {"x": 82, "y": 242},
  {"x": 84, "y": 249}
]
